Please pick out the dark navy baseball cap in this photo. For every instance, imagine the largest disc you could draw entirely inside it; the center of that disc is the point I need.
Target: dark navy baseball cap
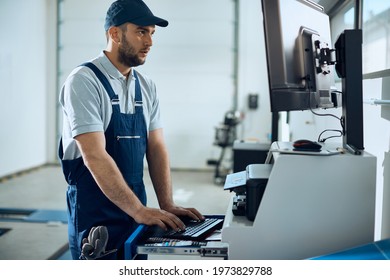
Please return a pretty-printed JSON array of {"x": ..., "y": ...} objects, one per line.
[{"x": 133, "y": 11}]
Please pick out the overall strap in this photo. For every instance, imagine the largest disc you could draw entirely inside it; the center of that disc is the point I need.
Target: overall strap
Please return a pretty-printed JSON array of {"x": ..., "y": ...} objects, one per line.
[
  {"x": 138, "y": 94},
  {"x": 102, "y": 79}
]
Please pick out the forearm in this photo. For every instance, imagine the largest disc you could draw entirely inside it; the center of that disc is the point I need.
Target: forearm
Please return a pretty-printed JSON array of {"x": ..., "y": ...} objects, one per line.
[
  {"x": 106, "y": 173},
  {"x": 160, "y": 174},
  {"x": 112, "y": 184}
]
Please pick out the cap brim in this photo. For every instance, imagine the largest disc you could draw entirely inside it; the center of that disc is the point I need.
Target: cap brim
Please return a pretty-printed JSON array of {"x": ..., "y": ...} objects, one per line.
[{"x": 146, "y": 21}]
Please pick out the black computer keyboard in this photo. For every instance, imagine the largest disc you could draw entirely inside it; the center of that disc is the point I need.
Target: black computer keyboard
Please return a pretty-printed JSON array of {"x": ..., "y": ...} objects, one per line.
[{"x": 195, "y": 230}]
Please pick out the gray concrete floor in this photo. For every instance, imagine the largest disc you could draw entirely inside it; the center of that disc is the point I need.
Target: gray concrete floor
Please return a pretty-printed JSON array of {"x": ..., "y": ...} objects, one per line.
[{"x": 45, "y": 188}]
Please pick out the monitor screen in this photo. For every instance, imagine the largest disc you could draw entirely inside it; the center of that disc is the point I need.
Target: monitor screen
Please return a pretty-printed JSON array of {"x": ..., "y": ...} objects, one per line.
[{"x": 298, "y": 48}]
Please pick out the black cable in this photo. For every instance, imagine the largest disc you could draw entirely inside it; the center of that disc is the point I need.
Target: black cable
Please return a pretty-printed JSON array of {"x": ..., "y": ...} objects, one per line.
[
  {"x": 341, "y": 119},
  {"x": 333, "y": 136}
]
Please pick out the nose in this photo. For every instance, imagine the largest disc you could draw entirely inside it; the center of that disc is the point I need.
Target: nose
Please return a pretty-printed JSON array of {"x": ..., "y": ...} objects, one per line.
[{"x": 148, "y": 40}]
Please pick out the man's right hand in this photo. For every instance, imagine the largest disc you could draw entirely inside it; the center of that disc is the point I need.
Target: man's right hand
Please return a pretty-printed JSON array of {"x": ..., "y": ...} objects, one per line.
[{"x": 161, "y": 218}]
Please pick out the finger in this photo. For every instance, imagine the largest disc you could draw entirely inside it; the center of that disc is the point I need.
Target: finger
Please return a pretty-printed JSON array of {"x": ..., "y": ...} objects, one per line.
[
  {"x": 161, "y": 218},
  {"x": 172, "y": 221},
  {"x": 189, "y": 212},
  {"x": 152, "y": 217},
  {"x": 160, "y": 224},
  {"x": 195, "y": 212}
]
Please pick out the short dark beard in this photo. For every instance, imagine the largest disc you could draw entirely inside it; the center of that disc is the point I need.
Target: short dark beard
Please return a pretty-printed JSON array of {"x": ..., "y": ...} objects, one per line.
[{"x": 127, "y": 55}]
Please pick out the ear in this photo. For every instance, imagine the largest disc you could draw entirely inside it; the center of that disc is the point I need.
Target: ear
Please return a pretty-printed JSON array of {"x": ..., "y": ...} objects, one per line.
[{"x": 115, "y": 34}]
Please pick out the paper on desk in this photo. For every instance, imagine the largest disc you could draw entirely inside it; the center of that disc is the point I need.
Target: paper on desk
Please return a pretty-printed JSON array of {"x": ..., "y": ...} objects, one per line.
[{"x": 215, "y": 236}]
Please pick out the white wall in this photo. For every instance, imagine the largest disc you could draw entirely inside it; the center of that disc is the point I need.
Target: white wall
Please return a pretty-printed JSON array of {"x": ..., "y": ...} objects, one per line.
[
  {"x": 253, "y": 77},
  {"x": 26, "y": 84},
  {"x": 191, "y": 63}
]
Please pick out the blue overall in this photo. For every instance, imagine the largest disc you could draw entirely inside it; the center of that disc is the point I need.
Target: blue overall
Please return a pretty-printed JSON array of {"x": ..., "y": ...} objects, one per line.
[{"x": 126, "y": 143}]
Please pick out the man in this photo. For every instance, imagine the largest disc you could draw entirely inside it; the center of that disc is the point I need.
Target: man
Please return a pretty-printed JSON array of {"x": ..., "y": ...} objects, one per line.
[{"x": 111, "y": 121}]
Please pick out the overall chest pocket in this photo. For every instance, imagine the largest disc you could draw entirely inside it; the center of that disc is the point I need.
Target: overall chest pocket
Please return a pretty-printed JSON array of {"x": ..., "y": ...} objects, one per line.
[
  {"x": 119, "y": 138},
  {"x": 130, "y": 152}
]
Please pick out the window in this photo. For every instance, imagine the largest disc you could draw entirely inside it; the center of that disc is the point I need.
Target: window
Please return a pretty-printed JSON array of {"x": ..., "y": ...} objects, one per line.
[
  {"x": 376, "y": 31},
  {"x": 344, "y": 19},
  {"x": 376, "y": 36}
]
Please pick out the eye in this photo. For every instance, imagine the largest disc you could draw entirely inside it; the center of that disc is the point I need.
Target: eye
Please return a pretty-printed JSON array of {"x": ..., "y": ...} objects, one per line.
[{"x": 144, "y": 32}]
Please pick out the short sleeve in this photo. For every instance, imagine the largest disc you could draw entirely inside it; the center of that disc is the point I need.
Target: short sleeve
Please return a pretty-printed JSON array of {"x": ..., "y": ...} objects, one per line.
[
  {"x": 82, "y": 104},
  {"x": 155, "y": 118}
]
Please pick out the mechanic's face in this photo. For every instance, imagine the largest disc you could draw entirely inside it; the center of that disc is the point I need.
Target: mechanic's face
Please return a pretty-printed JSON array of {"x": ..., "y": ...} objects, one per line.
[{"x": 135, "y": 45}]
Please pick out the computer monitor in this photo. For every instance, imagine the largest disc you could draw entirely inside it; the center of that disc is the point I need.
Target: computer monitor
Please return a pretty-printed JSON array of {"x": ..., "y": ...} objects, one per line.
[{"x": 299, "y": 55}]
